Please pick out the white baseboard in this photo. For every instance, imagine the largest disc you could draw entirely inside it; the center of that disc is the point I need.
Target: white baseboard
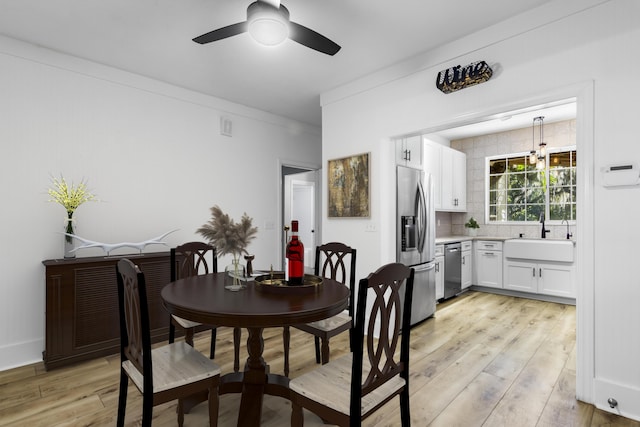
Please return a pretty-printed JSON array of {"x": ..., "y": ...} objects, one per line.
[
  {"x": 539, "y": 297},
  {"x": 20, "y": 354}
]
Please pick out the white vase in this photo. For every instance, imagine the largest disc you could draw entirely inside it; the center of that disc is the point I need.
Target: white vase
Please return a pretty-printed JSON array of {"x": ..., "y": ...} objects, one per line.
[{"x": 473, "y": 232}]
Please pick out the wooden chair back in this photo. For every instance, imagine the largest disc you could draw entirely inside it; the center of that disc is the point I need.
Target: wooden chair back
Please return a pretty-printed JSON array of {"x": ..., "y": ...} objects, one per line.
[
  {"x": 393, "y": 315},
  {"x": 191, "y": 259},
  {"x": 180, "y": 370},
  {"x": 332, "y": 260},
  {"x": 135, "y": 333}
]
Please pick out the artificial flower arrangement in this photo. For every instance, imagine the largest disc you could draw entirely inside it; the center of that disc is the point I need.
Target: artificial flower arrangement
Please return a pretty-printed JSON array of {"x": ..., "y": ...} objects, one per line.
[{"x": 70, "y": 197}]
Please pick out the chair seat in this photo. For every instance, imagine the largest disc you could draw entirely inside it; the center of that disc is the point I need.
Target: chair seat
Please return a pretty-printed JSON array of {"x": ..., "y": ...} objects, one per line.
[
  {"x": 186, "y": 324},
  {"x": 339, "y": 321},
  {"x": 174, "y": 365},
  {"x": 329, "y": 386}
]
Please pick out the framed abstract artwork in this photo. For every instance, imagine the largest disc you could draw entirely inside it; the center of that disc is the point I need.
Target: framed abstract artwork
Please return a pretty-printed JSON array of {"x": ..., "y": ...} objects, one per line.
[{"x": 348, "y": 184}]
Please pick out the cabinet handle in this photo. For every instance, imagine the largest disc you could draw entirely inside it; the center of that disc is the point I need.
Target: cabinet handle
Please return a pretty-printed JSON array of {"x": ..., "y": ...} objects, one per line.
[
  {"x": 489, "y": 253},
  {"x": 539, "y": 272},
  {"x": 463, "y": 260},
  {"x": 534, "y": 271},
  {"x": 438, "y": 268},
  {"x": 407, "y": 155}
]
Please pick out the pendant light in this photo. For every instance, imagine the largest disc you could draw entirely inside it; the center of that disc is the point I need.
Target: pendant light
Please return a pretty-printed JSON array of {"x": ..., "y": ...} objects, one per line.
[{"x": 538, "y": 157}]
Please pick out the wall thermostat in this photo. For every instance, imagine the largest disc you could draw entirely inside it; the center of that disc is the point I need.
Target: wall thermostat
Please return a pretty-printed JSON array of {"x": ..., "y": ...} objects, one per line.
[{"x": 621, "y": 175}]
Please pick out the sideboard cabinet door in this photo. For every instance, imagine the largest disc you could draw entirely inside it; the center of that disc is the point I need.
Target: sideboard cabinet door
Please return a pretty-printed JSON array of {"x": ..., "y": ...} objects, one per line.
[{"x": 82, "y": 306}]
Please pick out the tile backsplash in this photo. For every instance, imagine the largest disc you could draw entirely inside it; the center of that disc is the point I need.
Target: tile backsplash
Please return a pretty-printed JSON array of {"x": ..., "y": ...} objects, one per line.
[{"x": 558, "y": 134}]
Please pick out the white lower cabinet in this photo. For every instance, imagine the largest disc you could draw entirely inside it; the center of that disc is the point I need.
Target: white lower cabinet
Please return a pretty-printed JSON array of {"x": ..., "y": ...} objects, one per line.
[
  {"x": 543, "y": 278},
  {"x": 439, "y": 277},
  {"x": 556, "y": 279},
  {"x": 467, "y": 265},
  {"x": 439, "y": 261},
  {"x": 488, "y": 261},
  {"x": 520, "y": 276}
]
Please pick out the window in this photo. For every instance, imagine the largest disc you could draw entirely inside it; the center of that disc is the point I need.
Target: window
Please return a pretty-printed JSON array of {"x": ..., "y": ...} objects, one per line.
[{"x": 519, "y": 192}]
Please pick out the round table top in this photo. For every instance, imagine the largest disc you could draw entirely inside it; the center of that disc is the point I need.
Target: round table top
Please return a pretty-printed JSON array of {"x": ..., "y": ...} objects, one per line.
[{"x": 204, "y": 299}]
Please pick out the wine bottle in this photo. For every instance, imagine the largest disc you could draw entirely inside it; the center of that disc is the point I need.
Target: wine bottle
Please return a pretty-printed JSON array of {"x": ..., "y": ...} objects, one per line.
[{"x": 295, "y": 257}]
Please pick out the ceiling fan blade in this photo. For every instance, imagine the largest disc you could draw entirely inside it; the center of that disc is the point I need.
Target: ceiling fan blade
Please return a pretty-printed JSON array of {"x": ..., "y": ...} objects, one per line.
[
  {"x": 222, "y": 33},
  {"x": 307, "y": 37}
]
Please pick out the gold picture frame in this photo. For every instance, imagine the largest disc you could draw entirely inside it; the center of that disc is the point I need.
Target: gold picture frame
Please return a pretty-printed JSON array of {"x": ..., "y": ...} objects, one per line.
[{"x": 348, "y": 184}]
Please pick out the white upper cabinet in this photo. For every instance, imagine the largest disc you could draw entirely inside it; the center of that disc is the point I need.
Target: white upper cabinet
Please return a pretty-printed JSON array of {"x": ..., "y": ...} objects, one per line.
[
  {"x": 454, "y": 180},
  {"x": 409, "y": 151},
  {"x": 448, "y": 169},
  {"x": 433, "y": 165}
]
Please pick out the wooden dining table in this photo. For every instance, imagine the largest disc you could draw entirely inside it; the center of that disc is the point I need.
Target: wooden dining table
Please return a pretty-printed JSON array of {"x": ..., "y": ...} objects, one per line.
[{"x": 204, "y": 299}]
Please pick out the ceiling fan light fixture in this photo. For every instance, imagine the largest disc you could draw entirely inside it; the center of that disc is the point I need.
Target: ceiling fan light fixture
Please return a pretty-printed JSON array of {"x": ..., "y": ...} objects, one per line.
[{"x": 268, "y": 25}]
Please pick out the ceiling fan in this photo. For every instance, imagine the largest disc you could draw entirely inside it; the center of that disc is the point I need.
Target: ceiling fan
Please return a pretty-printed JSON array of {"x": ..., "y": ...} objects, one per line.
[{"x": 268, "y": 23}]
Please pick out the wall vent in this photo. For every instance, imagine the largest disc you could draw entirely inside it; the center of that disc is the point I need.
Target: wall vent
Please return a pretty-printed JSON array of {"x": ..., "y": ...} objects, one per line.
[{"x": 226, "y": 126}]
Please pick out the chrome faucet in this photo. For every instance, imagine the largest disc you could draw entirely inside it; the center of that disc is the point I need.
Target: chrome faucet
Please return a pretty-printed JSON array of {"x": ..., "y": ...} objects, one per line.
[
  {"x": 569, "y": 234},
  {"x": 544, "y": 230}
]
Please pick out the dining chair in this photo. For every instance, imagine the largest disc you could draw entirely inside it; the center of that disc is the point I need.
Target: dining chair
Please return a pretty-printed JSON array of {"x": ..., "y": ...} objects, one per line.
[
  {"x": 335, "y": 257},
  {"x": 173, "y": 371},
  {"x": 190, "y": 259},
  {"x": 347, "y": 390}
]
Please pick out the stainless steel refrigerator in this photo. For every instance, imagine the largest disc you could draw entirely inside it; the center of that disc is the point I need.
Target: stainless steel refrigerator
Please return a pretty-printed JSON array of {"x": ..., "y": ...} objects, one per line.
[{"x": 416, "y": 237}]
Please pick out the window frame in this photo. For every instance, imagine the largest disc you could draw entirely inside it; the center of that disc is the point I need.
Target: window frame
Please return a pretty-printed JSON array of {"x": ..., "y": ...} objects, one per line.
[{"x": 547, "y": 204}]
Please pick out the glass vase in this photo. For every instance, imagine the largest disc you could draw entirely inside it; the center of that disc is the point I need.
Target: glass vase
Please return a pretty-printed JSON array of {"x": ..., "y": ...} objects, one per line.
[
  {"x": 69, "y": 243},
  {"x": 235, "y": 274}
]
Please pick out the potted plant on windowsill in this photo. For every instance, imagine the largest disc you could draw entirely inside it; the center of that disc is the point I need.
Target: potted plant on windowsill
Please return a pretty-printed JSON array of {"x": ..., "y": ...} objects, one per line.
[{"x": 472, "y": 227}]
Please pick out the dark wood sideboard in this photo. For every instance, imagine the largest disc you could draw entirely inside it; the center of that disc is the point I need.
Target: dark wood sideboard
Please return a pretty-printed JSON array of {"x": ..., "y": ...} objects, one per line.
[{"x": 82, "y": 306}]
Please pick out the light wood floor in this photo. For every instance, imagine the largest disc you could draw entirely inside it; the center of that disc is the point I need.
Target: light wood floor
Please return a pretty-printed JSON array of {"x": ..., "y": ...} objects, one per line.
[{"x": 484, "y": 360}]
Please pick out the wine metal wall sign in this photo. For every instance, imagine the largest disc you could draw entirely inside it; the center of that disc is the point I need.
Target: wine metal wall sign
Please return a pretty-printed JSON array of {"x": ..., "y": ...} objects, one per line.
[{"x": 459, "y": 77}]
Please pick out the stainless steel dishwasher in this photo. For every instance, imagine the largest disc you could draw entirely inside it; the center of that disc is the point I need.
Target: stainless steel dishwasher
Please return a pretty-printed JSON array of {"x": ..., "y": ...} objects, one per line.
[{"x": 452, "y": 269}]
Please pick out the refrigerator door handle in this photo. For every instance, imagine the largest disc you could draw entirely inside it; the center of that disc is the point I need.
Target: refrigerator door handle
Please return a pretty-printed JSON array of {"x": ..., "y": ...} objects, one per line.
[
  {"x": 427, "y": 267},
  {"x": 421, "y": 215}
]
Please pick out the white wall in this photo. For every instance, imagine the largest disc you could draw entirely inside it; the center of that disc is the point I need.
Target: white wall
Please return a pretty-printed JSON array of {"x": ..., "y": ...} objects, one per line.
[
  {"x": 564, "y": 48},
  {"x": 151, "y": 152}
]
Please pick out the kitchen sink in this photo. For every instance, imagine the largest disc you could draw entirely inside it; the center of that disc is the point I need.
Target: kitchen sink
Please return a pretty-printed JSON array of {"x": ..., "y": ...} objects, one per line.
[{"x": 539, "y": 249}]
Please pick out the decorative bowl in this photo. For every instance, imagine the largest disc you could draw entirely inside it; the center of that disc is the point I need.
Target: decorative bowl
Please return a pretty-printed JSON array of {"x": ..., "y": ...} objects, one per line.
[{"x": 276, "y": 283}]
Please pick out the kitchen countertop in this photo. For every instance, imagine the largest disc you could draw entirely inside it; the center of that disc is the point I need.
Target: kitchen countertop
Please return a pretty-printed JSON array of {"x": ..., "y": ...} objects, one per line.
[{"x": 451, "y": 239}]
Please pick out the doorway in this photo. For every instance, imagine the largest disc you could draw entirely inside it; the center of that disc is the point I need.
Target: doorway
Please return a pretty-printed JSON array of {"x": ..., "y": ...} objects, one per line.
[
  {"x": 583, "y": 95},
  {"x": 300, "y": 189}
]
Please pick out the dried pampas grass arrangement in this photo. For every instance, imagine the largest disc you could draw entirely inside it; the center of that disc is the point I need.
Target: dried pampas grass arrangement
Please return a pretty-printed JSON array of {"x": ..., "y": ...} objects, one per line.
[{"x": 227, "y": 236}]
